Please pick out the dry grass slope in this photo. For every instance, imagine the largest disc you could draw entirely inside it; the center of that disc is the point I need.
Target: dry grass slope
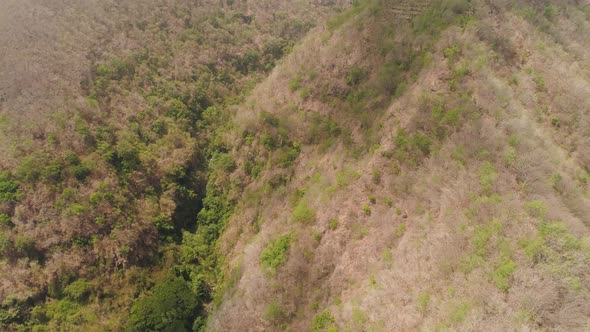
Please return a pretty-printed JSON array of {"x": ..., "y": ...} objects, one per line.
[
  {"x": 410, "y": 165},
  {"x": 457, "y": 202}
]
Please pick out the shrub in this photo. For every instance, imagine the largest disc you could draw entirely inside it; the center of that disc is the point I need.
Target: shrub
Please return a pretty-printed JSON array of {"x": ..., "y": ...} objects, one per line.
[
  {"x": 423, "y": 301},
  {"x": 29, "y": 168},
  {"x": 322, "y": 130},
  {"x": 412, "y": 148},
  {"x": 502, "y": 273},
  {"x": 553, "y": 240},
  {"x": 178, "y": 110},
  {"x": 63, "y": 311},
  {"x": 422, "y": 142},
  {"x": 303, "y": 213},
  {"x": 323, "y": 321},
  {"x": 249, "y": 62},
  {"x": 539, "y": 82},
  {"x": 72, "y": 158},
  {"x": 295, "y": 83},
  {"x": 534, "y": 249},
  {"x": 222, "y": 162},
  {"x": 53, "y": 173},
  {"x": 5, "y": 243},
  {"x": 355, "y": 76},
  {"x": 460, "y": 72},
  {"x": 459, "y": 313},
  {"x": 253, "y": 167},
  {"x": 275, "y": 254},
  {"x": 8, "y": 188},
  {"x": 359, "y": 318},
  {"x": 275, "y": 314},
  {"x": 549, "y": 11},
  {"x": 159, "y": 127},
  {"x": 25, "y": 247},
  {"x": 483, "y": 234},
  {"x": 357, "y": 100},
  {"x": 305, "y": 93},
  {"x": 5, "y": 219},
  {"x": 401, "y": 139},
  {"x": 78, "y": 209},
  {"x": 317, "y": 238},
  {"x": 107, "y": 152},
  {"x": 288, "y": 157},
  {"x": 451, "y": 53},
  {"x": 333, "y": 224},
  {"x": 78, "y": 291},
  {"x": 390, "y": 76},
  {"x": 81, "y": 172},
  {"x": 401, "y": 230},
  {"x": 127, "y": 157},
  {"x": 373, "y": 199},
  {"x": 274, "y": 50},
  {"x": 487, "y": 177},
  {"x": 116, "y": 69},
  {"x": 536, "y": 209},
  {"x": 269, "y": 142},
  {"x": 389, "y": 201},
  {"x": 367, "y": 209},
  {"x": 170, "y": 306},
  {"x": 376, "y": 176},
  {"x": 270, "y": 119},
  {"x": 480, "y": 242},
  {"x": 558, "y": 235},
  {"x": 359, "y": 230},
  {"x": 556, "y": 182},
  {"x": 510, "y": 156}
]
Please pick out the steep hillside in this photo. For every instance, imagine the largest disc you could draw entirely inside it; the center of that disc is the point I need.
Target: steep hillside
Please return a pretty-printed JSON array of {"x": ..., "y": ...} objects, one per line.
[
  {"x": 375, "y": 165},
  {"x": 111, "y": 117},
  {"x": 422, "y": 169}
]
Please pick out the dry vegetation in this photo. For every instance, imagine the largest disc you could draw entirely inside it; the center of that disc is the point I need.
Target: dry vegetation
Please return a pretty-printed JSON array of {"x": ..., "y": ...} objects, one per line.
[
  {"x": 443, "y": 162},
  {"x": 404, "y": 165},
  {"x": 112, "y": 185}
]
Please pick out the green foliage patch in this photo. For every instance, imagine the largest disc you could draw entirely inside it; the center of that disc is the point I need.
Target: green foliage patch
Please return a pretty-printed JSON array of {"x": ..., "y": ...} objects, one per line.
[
  {"x": 441, "y": 14},
  {"x": 502, "y": 272},
  {"x": 302, "y": 213},
  {"x": 275, "y": 314},
  {"x": 169, "y": 306},
  {"x": 78, "y": 291},
  {"x": 275, "y": 254},
  {"x": 323, "y": 321},
  {"x": 8, "y": 188}
]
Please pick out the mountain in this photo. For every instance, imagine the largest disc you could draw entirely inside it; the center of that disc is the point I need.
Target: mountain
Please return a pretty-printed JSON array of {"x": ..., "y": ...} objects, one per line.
[{"x": 381, "y": 165}]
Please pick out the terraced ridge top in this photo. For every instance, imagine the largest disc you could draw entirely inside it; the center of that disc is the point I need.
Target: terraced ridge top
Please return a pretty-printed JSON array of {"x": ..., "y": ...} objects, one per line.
[{"x": 407, "y": 10}]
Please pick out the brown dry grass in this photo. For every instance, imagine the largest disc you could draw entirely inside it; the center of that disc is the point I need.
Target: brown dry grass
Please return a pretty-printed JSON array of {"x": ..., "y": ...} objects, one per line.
[{"x": 369, "y": 273}]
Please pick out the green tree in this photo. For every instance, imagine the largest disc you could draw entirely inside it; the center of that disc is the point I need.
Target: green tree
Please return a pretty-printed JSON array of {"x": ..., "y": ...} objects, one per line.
[{"x": 171, "y": 306}]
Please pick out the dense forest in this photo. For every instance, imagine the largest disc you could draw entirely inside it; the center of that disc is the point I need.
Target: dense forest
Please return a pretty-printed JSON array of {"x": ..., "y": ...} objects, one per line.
[
  {"x": 374, "y": 165},
  {"x": 114, "y": 189}
]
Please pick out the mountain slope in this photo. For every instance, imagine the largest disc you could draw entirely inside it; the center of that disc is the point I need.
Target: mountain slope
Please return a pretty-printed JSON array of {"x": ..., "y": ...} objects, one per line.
[
  {"x": 110, "y": 114},
  {"x": 294, "y": 165},
  {"x": 417, "y": 176}
]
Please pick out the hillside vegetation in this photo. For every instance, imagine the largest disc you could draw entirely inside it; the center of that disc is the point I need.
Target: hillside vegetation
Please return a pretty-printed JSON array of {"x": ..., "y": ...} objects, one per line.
[
  {"x": 430, "y": 174},
  {"x": 111, "y": 192},
  {"x": 380, "y": 165}
]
